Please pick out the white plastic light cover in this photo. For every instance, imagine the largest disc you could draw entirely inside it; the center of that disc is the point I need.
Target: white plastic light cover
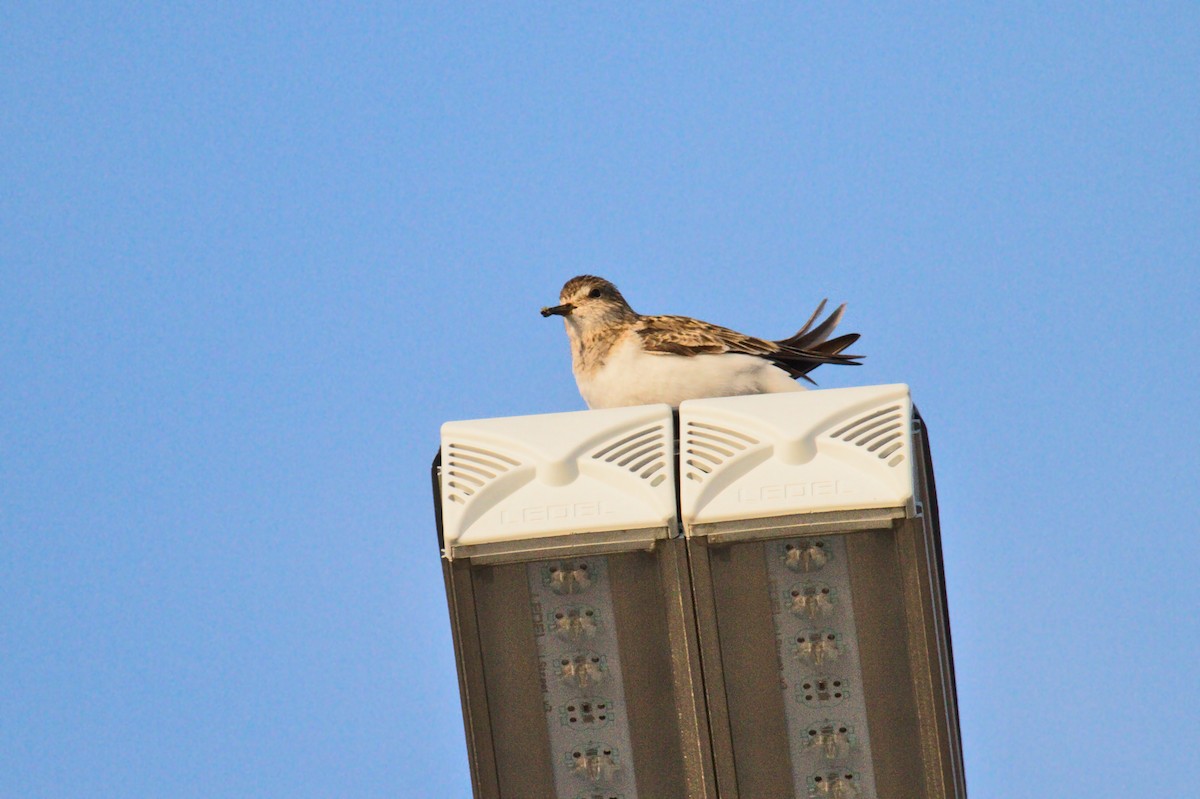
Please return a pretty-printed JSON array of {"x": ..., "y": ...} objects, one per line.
[
  {"x": 807, "y": 452},
  {"x": 524, "y": 477}
]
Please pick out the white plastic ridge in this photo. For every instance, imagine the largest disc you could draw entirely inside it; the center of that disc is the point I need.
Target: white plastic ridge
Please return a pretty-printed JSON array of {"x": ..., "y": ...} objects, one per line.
[
  {"x": 525, "y": 477},
  {"x": 797, "y": 453}
]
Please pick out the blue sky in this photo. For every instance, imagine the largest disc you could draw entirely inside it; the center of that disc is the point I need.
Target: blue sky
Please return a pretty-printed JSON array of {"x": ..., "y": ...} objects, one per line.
[{"x": 252, "y": 257}]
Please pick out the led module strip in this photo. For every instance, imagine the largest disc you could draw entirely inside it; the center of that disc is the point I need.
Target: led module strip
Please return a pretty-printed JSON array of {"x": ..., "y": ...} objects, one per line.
[
  {"x": 582, "y": 689},
  {"x": 822, "y": 675}
]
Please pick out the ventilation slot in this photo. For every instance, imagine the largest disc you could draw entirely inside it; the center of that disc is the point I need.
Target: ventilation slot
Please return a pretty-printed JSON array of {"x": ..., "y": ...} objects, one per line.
[
  {"x": 643, "y": 453},
  {"x": 880, "y": 432},
  {"x": 468, "y": 469},
  {"x": 708, "y": 446}
]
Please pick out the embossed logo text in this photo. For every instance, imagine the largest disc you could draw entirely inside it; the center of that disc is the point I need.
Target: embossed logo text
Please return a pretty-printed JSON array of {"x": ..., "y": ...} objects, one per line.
[
  {"x": 547, "y": 513},
  {"x": 781, "y": 491}
]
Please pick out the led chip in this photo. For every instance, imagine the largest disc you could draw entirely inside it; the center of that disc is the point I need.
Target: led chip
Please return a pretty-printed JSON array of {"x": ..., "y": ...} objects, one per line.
[
  {"x": 568, "y": 577},
  {"x": 806, "y": 556},
  {"x": 811, "y": 600},
  {"x": 817, "y": 647},
  {"x": 834, "y": 740},
  {"x": 595, "y": 763},
  {"x": 583, "y": 670},
  {"x": 575, "y": 623},
  {"x": 584, "y": 712},
  {"x": 824, "y": 691},
  {"x": 835, "y": 785}
]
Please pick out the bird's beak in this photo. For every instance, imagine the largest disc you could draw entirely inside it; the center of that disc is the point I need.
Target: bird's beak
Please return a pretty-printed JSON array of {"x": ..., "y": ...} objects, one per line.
[{"x": 559, "y": 310}]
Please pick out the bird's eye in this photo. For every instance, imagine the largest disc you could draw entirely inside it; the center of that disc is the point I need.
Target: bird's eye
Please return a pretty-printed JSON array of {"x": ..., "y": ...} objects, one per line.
[{"x": 594, "y": 293}]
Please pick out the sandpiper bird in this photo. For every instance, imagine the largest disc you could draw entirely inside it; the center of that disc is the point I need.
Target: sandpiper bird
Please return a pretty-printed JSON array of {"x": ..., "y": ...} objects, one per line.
[{"x": 623, "y": 358}]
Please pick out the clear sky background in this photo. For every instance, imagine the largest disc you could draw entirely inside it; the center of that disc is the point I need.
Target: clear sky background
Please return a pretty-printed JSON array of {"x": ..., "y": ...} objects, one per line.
[{"x": 252, "y": 257}]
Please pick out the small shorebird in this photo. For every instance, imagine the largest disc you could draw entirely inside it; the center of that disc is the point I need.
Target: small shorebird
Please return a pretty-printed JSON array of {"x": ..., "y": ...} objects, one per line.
[{"x": 623, "y": 358}]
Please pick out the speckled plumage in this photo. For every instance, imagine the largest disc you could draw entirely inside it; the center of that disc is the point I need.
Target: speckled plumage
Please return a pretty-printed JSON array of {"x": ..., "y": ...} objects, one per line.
[{"x": 620, "y": 357}]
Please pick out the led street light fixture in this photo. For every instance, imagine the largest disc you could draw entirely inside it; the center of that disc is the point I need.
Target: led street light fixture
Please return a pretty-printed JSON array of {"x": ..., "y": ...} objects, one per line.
[
  {"x": 535, "y": 483},
  {"x": 570, "y": 606},
  {"x": 741, "y": 601},
  {"x": 816, "y": 570}
]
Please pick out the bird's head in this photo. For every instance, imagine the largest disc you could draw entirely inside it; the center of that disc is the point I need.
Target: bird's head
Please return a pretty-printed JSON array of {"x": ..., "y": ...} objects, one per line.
[{"x": 587, "y": 301}]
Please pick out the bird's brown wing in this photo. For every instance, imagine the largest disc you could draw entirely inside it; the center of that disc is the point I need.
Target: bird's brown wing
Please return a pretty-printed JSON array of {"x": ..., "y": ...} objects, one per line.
[
  {"x": 797, "y": 355},
  {"x": 682, "y": 335}
]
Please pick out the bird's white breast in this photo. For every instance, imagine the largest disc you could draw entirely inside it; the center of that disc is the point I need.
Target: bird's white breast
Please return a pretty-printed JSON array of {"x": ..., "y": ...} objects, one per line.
[{"x": 632, "y": 376}]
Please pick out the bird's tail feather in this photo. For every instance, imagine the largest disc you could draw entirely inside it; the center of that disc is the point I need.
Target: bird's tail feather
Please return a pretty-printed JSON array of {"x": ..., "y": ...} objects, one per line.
[{"x": 811, "y": 346}]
